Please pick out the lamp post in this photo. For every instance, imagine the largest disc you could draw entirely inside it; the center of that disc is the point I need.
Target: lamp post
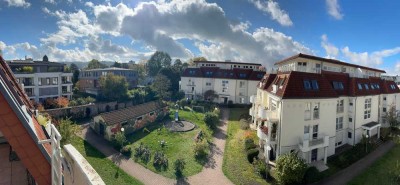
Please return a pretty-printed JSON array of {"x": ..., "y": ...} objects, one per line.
[
  {"x": 122, "y": 129},
  {"x": 366, "y": 143}
]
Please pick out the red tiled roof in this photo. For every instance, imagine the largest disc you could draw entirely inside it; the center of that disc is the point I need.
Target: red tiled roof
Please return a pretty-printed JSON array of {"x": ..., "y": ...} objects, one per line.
[
  {"x": 216, "y": 72},
  {"x": 290, "y": 85},
  {"x": 333, "y": 61},
  {"x": 22, "y": 138}
]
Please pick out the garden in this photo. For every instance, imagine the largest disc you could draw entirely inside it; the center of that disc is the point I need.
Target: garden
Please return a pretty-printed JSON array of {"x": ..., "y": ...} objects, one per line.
[{"x": 174, "y": 154}]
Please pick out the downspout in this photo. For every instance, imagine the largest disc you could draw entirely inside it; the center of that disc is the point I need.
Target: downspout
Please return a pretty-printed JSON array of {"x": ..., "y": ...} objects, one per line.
[
  {"x": 280, "y": 131},
  {"x": 354, "y": 125}
]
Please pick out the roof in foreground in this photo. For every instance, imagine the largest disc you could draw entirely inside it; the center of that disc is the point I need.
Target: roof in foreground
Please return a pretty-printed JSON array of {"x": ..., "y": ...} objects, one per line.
[
  {"x": 227, "y": 62},
  {"x": 302, "y": 85},
  {"x": 333, "y": 61},
  {"x": 216, "y": 72},
  {"x": 118, "y": 116},
  {"x": 34, "y": 63}
]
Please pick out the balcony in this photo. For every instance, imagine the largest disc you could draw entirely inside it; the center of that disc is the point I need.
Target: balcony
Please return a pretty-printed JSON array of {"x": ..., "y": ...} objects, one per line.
[
  {"x": 270, "y": 115},
  {"x": 262, "y": 132},
  {"x": 310, "y": 144},
  {"x": 340, "y": 109},
  {"x": 66, "y": 82},
  {"x": 251, "y": 110},
  {"x": 190, "y": 92},
  {"x": 191, "y": 84}
]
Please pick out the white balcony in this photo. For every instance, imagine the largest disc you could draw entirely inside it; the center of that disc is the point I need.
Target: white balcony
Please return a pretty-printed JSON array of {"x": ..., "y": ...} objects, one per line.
[
  {"x": 251, "y": 110},
  {"x": 261, "y": 132},
  {"x": 262, "y": 113},
  {"x": 272, "y": 115},
  {"x": 306, "y": 145},
  {"x": 253, "y": 99}
]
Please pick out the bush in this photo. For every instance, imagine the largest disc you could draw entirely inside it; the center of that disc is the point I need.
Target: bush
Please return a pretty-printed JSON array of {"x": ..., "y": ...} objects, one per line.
[
  {"x": 211, "y": 120},
  {"x": 160, "y": 161},
  {"x": 249, "y": 144},
  {"x": 395, "y": 173},
  {"x": 126, "y": 150},
  {"x": 244, "y": 124},
  {"x": 251, "y": 154},
  {"x": 143, "y": 153},
  {"x": 119, "y": 140},
  {"x": 290, "y": 168},
  {"x": 261, "y": 168},
  {"x": 201, "y": 149},
  {"x": 312, "y": 175},
  {"x": 385, "y": 133},
  {"x": 179, "y": 165}
]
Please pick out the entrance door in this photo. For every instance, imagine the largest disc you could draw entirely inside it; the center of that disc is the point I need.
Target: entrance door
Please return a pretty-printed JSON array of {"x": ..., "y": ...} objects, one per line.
[
  {"x": 225, "y": 100},
  {"x": 101, "y": 129},
  {"x": 314, "y": 155}
]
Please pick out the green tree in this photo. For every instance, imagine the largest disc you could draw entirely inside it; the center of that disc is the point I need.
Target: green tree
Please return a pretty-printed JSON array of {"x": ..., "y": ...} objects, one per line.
[
  {"x": 75, "y": 73},
  {"x": 95, "y": 64},
  {"x": 174, "y": 77},
  {"x": 140, "y": 70},
  {"x": 45, "y": 58},
  {"x": 67, "y": 130},
  {"x": 113, "y": 87},
  {"x": 391, "y": 117},
  {"x": 210, "y": 95},
  {"x": 162, "y": 86},
  {"x": 211, "y": 119},
  {"x": 178, "y": 66},
  {"x": 117, "y": 64},
  {"x": 157, "y": 61},
  {"x": 179, "y": 165},
  {"x": 120, "y": 139},
  {"x": 290, "y": 168}
]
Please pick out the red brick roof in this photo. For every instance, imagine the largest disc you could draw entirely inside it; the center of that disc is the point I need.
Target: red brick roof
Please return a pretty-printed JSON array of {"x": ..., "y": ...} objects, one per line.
[
  {"x": 290, "y": 85},
  {"x": 20, "y": 135},
  {"x": 333, "y": 61},
  {"x": 216, "y": 72}
]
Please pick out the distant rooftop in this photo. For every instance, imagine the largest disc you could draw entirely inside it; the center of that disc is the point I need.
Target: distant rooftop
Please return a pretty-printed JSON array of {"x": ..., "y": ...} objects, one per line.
[
  {"x": 226, "y": 62},
  {"x": 109, "y": 69}
]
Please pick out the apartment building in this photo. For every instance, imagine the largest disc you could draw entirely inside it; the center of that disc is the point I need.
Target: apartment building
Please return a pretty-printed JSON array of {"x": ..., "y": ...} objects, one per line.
[
  {"x": 230, "y": 81},
  {"x": 42, "y": 79},
  {"x": 314, "y": 105},
  {"x": 89, "y": 80}
]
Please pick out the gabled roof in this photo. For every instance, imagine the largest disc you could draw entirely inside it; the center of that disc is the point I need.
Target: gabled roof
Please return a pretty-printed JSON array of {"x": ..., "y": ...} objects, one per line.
[
  {"x": 290, "y": 85},
  {"x": 119, "y": 116},
  {"x": 333, "y": 61},
  {"x": 216, "y": 72},
  {"x": 21, "y": 128}
]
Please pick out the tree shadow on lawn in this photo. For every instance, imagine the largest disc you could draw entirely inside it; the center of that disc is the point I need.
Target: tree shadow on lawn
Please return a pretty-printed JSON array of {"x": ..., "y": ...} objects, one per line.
[
  {"x": 181, "y": 179},
  {"x": 92, "y": 151},
  {"x": 219, "y": 133}
]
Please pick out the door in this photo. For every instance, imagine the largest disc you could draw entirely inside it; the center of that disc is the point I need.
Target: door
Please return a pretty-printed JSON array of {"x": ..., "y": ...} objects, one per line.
[
  {"x": 318, "y": 68},
  {"x": 101, "y": 129},
  {"x": 225, "y": 100},
  {"x": 314, "y": 155}
]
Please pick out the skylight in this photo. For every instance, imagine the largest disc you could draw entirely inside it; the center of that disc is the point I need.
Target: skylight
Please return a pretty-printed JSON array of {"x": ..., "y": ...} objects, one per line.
[
  {"x": 310, "y": 85},
  {"x": 359, "y": 86},
  {"x": 338, "y": 85},
  {"x": 307, "y": 85}
]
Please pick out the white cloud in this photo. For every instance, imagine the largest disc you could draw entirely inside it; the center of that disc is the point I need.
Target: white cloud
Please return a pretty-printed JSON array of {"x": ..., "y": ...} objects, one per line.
[
  {"x": 50, "y": 1},
  {"x": 331, "y": 50},
  {"x": 89, "y": 4},
  {"x": 18, "y": 3},
  {"x": 334, "y": 9},
  {"x": 274, "y": 10},
  {"x": 109, "y": 17},
  {"x": 369, "y": 59},
  {"x": 46, "y": 10}
]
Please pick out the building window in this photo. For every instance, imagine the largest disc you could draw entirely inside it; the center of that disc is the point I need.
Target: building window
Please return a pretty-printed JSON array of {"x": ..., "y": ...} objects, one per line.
[
  {"x": 151, "y": 113},
  {"x": 339, "y": 123},
  {"x": 350, "y": 119},
  {"x": 340, "y": 106},
  {"x": 316, "y": 111},
  {"x": 307, "y": 85},
  {"x": 55, "y": 81},
  {"x": 208, "y": 83},
  {"x": 315, "y": 132},
  {"x": 359, "y": 86},
  {"x": 349, "y": 135},
  {"x": 366, "y": 86},
  {"x": 241, "y": 100},
  {"x": 338, "y": 85},
  {"x": 139, "y": 118},
  {"x": 384, "y": 109},
  {"x": 367, "y": 108},
  {"x": 307, "y": 112},
  {"x": 241, "y": 84},
  {"x": 314, "y": 84},
  {"x": 306, "y": 129}
]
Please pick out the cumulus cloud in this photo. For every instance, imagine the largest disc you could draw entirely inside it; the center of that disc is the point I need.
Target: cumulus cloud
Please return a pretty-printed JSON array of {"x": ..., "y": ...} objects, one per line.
[
  {"x": 50, "y": 1},
  {"x": 334, "y": 9},
  {"x": 273, "y": 9},
  {"x": 18, "y": 3},
  {"x": 109, "y": 17},
  {"x": 369, "y": 59},
  {"x": 331, "y": 50}
]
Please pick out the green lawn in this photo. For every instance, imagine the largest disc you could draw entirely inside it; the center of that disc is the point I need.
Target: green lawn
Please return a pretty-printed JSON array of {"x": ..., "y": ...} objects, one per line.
[
  {"x": 235, "y": 165},
  {"x": 108, "y": 171},
  {"x": 178, "y": 144},
  {"x": 379, "y": 172}
]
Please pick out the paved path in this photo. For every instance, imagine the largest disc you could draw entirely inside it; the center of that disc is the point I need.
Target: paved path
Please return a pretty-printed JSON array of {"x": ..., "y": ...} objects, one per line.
[
  {"x": 347, "y": 174},
  {"x": 211, "y": 174}
]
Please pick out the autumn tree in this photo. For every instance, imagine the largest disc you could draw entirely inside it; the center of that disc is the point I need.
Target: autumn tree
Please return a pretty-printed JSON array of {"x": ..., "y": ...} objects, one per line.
[
  {"x": 113, "y": 87},
  {"x": 95, "y": 64},
  {"x": 391, "y": 117},
  {"x": 157, "y": 61},
  {"x": 67, "y": 130},
  {"x": 62, "y": 102},
  {"x": 162, "y": 86},
  {"x": 191, "y": 61}
]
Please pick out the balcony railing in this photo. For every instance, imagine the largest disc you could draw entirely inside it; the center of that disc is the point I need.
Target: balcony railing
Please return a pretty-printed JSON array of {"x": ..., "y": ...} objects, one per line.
[
  {"x": 66, "y": 82},
  {"x": 316, "y": 114},
  {"x": 310, "y": 144},
  {"x": 253, "y": 99},
  {"x": 270, "y": 115},
  {"x": 251, "y": 110},
  {"x": 340, "y": 109},
  {"x": 261, "y": 132}
]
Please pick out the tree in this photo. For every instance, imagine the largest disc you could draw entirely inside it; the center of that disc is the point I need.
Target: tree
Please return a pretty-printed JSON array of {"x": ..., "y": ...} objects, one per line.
[
  {"x": 174, "y": 77},
  {"x": 140, "y": 70},
  {"x": 179, "y": 165},
  {"x": 67, "y": 130},
  {"x": 391, "y": 117},
  {"x": 45, "y": 58},
  {"x": 120, "y": 139},
  {"x": 162, "y": 86},
  {"x": 210, "y": 95},
  {"x": 211, "y": 119},
  {"x": 113, "y": 87},
  {"x": 157, "y": 61},
  {"x": 95, "y": 64},
  {"x": 290, "y": 168},
  {"x": 178, "y": 65},
  {"x": 117, "y": 64},
  {"x": 191, "y": 61},
  {"x": 49, "y": 103},
  {"x": 62, "y": 102}
]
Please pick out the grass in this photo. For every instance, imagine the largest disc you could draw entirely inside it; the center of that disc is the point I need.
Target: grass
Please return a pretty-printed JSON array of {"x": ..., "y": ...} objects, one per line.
[
  {"x": 108, "y": 171},
  {"x": 379, "y": 171},
  {"x": 179, "y": 145},
  {"x": 235, "y": 165}
]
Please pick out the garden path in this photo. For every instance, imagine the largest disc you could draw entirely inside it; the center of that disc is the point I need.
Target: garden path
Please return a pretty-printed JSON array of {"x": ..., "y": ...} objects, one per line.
[{"x": 211, "y": 173}]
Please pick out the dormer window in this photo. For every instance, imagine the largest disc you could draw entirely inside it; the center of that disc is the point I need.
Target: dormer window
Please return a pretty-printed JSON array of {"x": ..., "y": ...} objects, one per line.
[
  {"x": 307, "y": 85},
  {"x": 359, "y": 86},
  {"x": 338, "y": 85},
  {"x": 314, "y": 84},
  {"x": 366, "y": 86}
]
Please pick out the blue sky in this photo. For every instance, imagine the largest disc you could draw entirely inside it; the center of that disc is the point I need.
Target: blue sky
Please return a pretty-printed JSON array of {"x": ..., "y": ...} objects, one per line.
[{"x": 360, "y": 32}]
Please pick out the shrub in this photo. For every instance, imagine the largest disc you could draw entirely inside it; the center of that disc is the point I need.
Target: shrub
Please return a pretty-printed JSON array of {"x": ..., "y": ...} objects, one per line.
[
  {"x": 211, "y": 120},
  {"x": 143, "y": 153},
  {"x": 249, "y": 144},
  {"x": 119, "y": 140},
  {"x": 385, "y": 132},
  {"x": 244, "y": 124},
  {"x": 126, "y": 150},
  {"x": 42, "y": 120},
  {"x": 201, "y": 149},
  {"x": 261, "y": 168},
  {"x": 67, "y": 130},
  {"x": 160, "y": 161},
  {"x": 179, "y": 165},
  {"x": 251, "y": 154},
  {"x": 312, "y": 175},
  {"x": 290, "y": 168},
  {"x": 395, "y": 173}
]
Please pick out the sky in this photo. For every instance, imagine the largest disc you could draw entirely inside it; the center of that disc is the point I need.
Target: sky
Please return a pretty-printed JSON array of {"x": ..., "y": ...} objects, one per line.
[{"x": 364, "y": 32}]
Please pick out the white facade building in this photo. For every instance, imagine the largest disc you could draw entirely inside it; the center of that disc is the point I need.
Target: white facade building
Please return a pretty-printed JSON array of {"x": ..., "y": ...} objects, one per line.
[
  {"x": 232, "y": 82},
  {"x": 314, "y": 105},
  {"x": 42, "y": 79}
]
